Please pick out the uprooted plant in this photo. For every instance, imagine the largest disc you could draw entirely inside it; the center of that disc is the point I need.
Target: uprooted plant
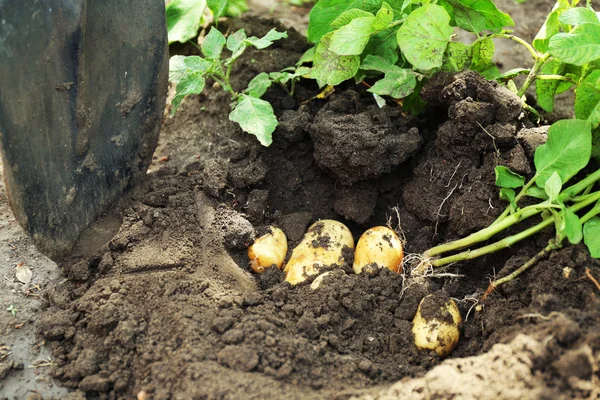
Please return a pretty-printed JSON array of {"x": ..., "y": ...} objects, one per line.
[
  {"x": 253, "y": 114},
  {"x": 573, "y": 210}
]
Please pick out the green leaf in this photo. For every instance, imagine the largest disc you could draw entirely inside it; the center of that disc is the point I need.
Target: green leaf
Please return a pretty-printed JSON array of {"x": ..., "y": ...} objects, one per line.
[
  {"x": 352, "y": 38},
  {"x": 587, "y": 99},
  {"x": 546, "y": 89},
  {"x": 235, "y": 8},
  {"x": 513, "y": 73},
  {"x": 505, "y": 178},
  {"x": 267, "y": 40},
  {"x": 578, "y": 47},
  {"x": 567, "y": 150},
  {"x": 479, "y": 15},
  {"x": 397, "y": 84},
  {"x": 569, "y": 226},
  {"x": 509, "y": 195},
  {"x": 181, "y": 66},
  {"x": 457, "y": 57},
  {"x": 217, "y": 7},
  {"x": 326, "y": 11},
  {"x": 307, "y": 56},
  {"x": 348, "y": 16},
  {"x": 550, "y": 27},
  {"x": 183, "y": 19},
  {"x": 553, "y": 186},
  {"x": 384, "y": 44},
  {"x": 236, "y": 43},
  {"x": 190, "y": 84},
  {"x": 331, "y": 68},
  {"x": 256, "y": 117},
  {"x": 379, "y": 64},
  {"x": 578, "y": 16},
  {"x": 213, "y": 44},
  {"x": 424, "y": 36},
  {"x": 596, "y": 145},
  {"x": 537, "y": 193},
  {"x": 384, "y": 17},
  {"x": 259, "y": 85},
  {"x": 379, "y": 100},
  {"x": 482, "y": 54},
  {"x": 591, "y": 233}
]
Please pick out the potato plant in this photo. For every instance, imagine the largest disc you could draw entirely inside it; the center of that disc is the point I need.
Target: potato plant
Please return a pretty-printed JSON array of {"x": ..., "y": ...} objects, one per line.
[{"x": 253, "y": 114}]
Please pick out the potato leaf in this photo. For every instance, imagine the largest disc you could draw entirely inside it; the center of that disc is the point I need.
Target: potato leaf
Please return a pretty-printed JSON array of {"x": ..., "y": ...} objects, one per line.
[
  {"x": 352, "y": 38},
  {"x": 267, "y": 40},
  {"x": 256, "y": 117},
  {"x": 509, "y": 195},
  {"x": 384, "y": 44},
  {"x": 569, "y": 226},
  {"x": 235, "y": 8},
  {"x": 479, "y": 15},
  {"x": 587, "y": 99},
  {"x": 348, "y": 16},
  {"x": 591, "y": 233},
  {"x": 379, "y": 64},
  {"x": 331, "y": 68},
  {"x": 513, "y": 73},
  {"x": 578, "y": 47},
  {"x": 217, "y": 7},
  {"x": 213, "y": 44},
  {"x": 457, "y": 57},
  {"x": 326, "y": 11},
  {"x": 259, "y": 85},
  {"x": 183, "y": 19},
  {"x": 566, "y": 152},
  {"x": 553, "y": 186},
  {"x": 482, "y": 54},
  {"x": 578, "y": 16},
  {"x": 505, "y": 178},
  {"x": 546, "y": 89},
  {"x": 424, "y": 36},
  {"x": 397, "y": 84},
  {"x": 190, "y": 84},
  {"x": 384, "y": 17},
  {"x": 550, "y": 27}
]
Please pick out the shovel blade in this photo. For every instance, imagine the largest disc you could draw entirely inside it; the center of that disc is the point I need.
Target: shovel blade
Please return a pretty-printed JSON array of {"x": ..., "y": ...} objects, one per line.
[{"x": 82, "y": 92}]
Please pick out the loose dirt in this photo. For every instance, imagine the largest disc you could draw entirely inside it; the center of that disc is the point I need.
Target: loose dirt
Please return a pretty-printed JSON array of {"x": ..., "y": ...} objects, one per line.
[{"x": 168, "y": 308}]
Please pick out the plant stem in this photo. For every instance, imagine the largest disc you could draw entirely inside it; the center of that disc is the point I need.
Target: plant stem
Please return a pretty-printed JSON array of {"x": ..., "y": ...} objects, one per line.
[
  {"x": 517, "y": 39},
  {"x": 534, "y": 260},
  {"x": 485, "y": 233},
  {"x": 540, "y": 60},
  {"x": 511, "y": 240},
  {"x": 555, "y": 78}
]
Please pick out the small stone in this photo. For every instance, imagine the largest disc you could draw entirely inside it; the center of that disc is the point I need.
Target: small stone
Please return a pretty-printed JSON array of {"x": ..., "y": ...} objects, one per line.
[{"x": 238, "y": 358}]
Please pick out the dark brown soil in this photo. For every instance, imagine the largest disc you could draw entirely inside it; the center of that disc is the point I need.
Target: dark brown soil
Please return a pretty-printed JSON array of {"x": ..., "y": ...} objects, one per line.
[{"x": 169, "y": 310}]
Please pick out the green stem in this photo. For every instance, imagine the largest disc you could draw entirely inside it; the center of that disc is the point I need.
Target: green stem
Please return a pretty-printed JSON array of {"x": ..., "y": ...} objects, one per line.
[
  {"x": 511, "y": 240},
  {"x": 534, "y": 260},
  {"x": 555, "y": 78},
  {"x": 396, "y": 23},
  {"x": 532, "y": 74},
  {"x": 485, "y": 233},
  {"x": 517, "y": 39}
]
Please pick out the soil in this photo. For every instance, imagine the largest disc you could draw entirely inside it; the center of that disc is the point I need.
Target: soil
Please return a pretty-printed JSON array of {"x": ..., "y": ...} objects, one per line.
[{"x": 167, "y": 308}]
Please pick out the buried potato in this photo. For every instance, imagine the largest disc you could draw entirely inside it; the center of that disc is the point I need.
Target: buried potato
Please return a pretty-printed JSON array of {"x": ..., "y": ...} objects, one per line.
[
  {"x": 378, "y": 247},
  {"x": 320, "y": 247},
  {"x": 436, "y": 326},
  {"x": 269, "y": 249}
]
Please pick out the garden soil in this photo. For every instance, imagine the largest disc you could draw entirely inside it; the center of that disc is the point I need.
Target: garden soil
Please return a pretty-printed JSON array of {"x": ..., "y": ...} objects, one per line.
[{"x": 167, "y": 308}]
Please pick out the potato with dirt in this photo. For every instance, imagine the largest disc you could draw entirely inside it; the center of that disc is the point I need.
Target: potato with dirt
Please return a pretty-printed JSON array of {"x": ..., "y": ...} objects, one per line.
[
  {"x": 269, "y": 249},
  {"x": 321, "y": 247},
  {"x": 436, "y": 326},
  {"x": 378, "y": 247}
]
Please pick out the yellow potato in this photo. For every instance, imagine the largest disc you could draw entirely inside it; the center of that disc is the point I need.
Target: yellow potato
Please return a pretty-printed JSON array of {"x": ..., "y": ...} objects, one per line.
[
  {"x": 320, "y": 247},
  {"x": 267, "y": 250},
  {"x": 436, "y": 324},
  {"x": 379, "y": 245}
]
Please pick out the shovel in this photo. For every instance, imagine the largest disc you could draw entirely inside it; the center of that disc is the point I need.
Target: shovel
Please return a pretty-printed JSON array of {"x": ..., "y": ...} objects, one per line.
[{"x": 82, "y": 91}]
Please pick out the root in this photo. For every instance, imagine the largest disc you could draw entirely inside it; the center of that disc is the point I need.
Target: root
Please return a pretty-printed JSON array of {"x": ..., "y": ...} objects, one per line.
[
  {"x": 398, "y": 228},
  {"x": 588, "y": 273}
]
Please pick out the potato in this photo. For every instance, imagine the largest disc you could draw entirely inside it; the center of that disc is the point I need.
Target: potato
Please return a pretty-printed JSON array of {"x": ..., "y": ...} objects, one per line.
[
  {"x": 379, "y": 245},
  {"x": 267, "y": 250},
  {"x": 320, "y": 247},
  {"x": 436, "y": 324}
]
